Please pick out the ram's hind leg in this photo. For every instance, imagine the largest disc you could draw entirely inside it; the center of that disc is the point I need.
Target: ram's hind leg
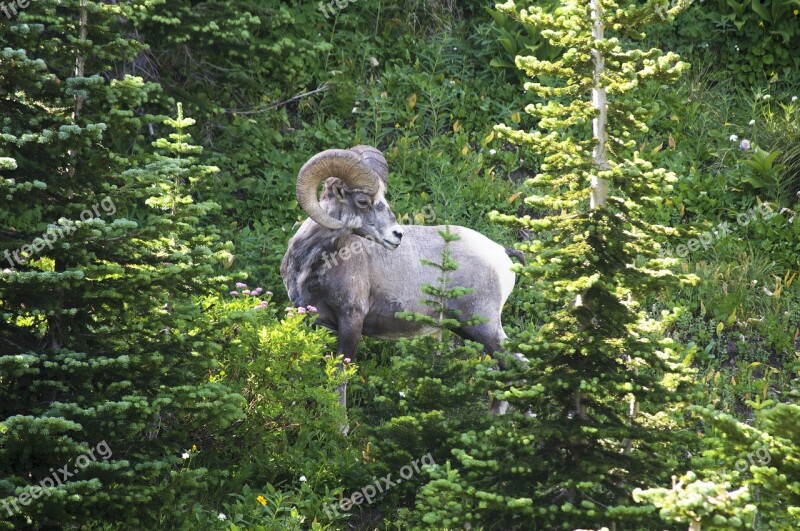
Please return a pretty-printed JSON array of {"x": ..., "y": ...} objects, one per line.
[{"x": 491, "y": 335}]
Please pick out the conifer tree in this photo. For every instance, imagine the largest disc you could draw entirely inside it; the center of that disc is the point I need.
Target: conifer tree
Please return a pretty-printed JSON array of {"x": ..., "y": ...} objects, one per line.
[
  {"x": 602, "y": 384},
  {"x": 430, "y": 395},
  {"x": 102, "y": 374},
  {"x": 746, "y": 478}
]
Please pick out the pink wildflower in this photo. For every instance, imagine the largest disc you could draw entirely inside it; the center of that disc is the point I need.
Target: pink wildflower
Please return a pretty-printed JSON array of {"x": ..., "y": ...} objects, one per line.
[
  {"x": 241, "y": 285},
  {"x": 311, "y": 309},
  {"x": 234, "y": 293},
  {"x": 246, "y": 292},
  {"x": 347, "y": 360},
  {"x": 301, "y": 310}
]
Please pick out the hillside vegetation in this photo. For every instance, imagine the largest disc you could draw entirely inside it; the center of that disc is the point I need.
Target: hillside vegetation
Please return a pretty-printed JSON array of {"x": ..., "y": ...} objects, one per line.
[{"x": 154, "y": 374}]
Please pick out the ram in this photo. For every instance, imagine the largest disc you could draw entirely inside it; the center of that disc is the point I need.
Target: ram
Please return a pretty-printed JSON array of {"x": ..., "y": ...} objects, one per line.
[{"x": 358, "y": 267}]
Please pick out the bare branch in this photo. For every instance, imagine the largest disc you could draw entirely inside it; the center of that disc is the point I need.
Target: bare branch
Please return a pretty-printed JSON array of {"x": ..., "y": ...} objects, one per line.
[{"x": 323, "y": 88}]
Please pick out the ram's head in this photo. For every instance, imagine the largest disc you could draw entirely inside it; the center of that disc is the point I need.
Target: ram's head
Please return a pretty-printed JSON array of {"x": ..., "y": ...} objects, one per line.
[{"x": 352, "y": 199}]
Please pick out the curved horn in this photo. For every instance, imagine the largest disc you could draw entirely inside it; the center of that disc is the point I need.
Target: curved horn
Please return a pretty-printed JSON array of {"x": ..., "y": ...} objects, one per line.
[
  {"x": 376, "y": 161},
  {"x": 348, "y": 166}
]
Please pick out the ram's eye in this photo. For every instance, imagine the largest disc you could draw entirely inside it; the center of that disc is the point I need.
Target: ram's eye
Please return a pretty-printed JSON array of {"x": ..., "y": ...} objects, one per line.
[{"x": 362, "y": 203}]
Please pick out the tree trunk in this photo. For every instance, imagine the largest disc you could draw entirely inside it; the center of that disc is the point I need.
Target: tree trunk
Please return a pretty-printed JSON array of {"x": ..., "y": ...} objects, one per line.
[{"x": 599, "y": 155}]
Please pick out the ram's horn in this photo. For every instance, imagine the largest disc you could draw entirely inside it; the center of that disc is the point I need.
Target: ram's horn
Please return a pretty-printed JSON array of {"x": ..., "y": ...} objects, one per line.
[
  {"x": 349, "y": 166},
  {"x": 376, "y": 161}
]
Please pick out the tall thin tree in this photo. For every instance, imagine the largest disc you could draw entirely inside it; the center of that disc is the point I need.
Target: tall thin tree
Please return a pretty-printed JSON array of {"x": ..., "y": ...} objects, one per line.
[{"x": 602, "y": 385}]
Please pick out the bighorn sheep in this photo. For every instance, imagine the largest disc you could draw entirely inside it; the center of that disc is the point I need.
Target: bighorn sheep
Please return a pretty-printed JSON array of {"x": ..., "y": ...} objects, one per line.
[{"x": 358, "y": 267}]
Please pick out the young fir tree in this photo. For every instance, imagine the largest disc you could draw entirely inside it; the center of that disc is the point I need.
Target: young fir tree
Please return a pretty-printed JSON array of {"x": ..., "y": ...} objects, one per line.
[
  {"x": 746, "y": 477},
  {"x": 247, "y": 71},
  {"x": 602, "y": 383},
  {"x": 101, "y": 373},
  {"x": 430, "y": 395},
  {"x": 770, "y": 453}
]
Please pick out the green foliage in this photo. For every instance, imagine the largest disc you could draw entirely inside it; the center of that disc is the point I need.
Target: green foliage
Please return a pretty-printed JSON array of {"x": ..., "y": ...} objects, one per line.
[
  {"x": 701, "y": 504},
  {"x": 764, "y": 175},
  {"x": 429, "y": 395},
  {"x": 289, "y": 382},
  {"x": 119, "y": 331},
  {"x": 281, "y": 367},
  {"x": 517, "y": 39},
  {"x": 599, "y": 379},
  {"x": 762, "y": 459},
  {"x": 96, "y": 324},
  {"x": 269, "y": 509},
  {"x": 755, "y": 39},
  {"x": 748, "y": 256}
]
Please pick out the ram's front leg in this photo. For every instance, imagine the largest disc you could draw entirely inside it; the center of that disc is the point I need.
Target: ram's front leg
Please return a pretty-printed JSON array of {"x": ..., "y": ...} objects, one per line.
[{"x": 350, "y": 326}]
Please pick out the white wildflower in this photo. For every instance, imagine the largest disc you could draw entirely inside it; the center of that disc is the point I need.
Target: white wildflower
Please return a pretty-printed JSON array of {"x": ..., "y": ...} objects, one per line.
[
  {"x": 221, "y": 516},
  {"x": 492, "y": 151},
  {"x": 733, "y": 138},
  {"x": 303, "y": 479},
  {"x": 185, "y": 455},
  {"x": 751, "y": 122}
]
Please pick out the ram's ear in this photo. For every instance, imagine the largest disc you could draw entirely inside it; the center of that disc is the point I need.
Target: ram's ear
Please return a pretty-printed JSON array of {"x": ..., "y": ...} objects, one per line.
[{"x": 336, "y": 189}]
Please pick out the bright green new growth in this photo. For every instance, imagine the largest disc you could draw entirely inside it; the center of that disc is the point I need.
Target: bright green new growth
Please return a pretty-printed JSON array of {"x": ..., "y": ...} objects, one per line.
[
  {"x": 701, "y": 504},
  {"x": 603, "y": 384},
  {"x": 748, "y": 473}
]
